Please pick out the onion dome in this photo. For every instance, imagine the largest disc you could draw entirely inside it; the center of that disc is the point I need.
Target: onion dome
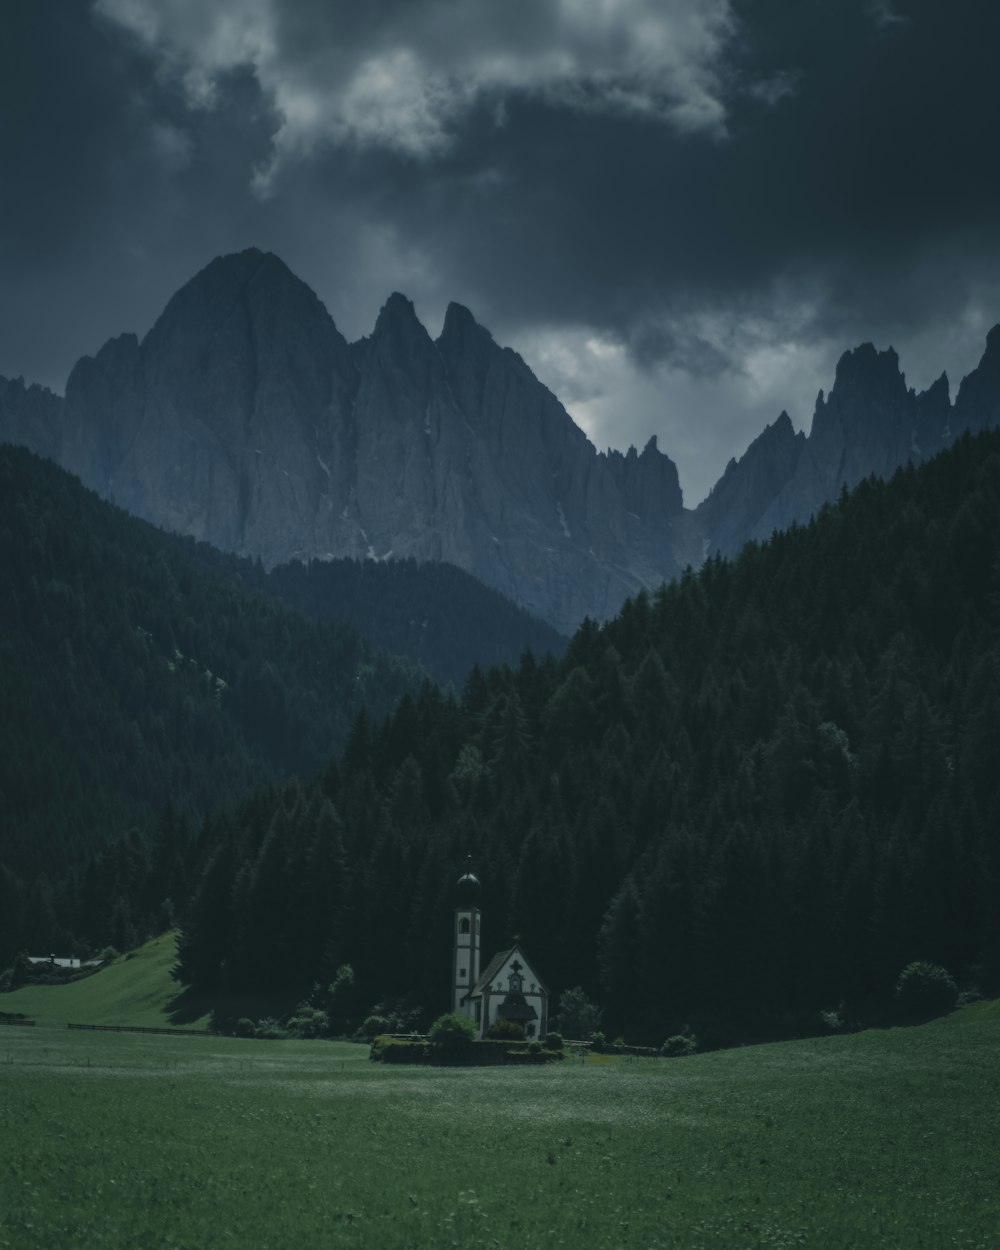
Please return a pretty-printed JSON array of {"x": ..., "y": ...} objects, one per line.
[{"x": 467, "y": 889}]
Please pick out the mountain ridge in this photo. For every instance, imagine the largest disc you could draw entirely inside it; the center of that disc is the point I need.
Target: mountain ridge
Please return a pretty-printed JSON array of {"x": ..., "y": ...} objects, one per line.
[{"x": 246, "y": 419}]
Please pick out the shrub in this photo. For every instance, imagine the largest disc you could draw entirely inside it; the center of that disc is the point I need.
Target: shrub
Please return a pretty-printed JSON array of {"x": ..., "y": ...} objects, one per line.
[
  {"x": 397, "y": 1050},
  {"x": 390, "y": 1015},
  {"x": 679, "y": 1045},
  {"x": 452, "y": 1034},
  {"x": 833, "y": 1019},
  {"x": 373, "y": 1025},
  {"x": 308, "y": 1022},
  {"x": 269, "y": 1028},
  {"x": 578, "y": 1016},
  {"x": 506, "y": 1030},
  {"x": 245, "y": 1027},
  {"x": 598, "y": 1041},
  {"x": 553, "y": 1040},
  {"x": 534, "y": 1048},
  {"x": 924, "y": 990}
]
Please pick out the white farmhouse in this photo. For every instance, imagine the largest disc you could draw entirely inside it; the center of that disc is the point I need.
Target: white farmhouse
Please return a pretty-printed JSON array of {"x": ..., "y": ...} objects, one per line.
[{"x": 509, "y": 988}]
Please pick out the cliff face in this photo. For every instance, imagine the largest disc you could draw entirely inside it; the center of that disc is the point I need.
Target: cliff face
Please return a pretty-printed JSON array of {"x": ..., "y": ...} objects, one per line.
[
  {"x": 870, "y": 423},
  {"x": 748, "y": 487},
  {"x": 244, "y": 418},
  {"x": 31, "y": 416},
  {"x": 977, "y": 405},
  {"x": 228, "y": 421}
]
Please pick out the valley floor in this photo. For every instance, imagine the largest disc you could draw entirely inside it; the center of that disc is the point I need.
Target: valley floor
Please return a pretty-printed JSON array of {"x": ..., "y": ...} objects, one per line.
[{"x": 881, "y": 1139}]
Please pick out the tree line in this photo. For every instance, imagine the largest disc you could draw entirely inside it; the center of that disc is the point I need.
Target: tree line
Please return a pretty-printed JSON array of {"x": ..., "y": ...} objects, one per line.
[{"x": 751, "y": 798}]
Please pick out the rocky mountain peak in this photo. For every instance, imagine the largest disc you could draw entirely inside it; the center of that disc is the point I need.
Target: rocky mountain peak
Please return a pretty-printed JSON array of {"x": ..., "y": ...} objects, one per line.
[
  {"x": 977, "y": 404},
  {"x": 458, "y": 322},
  {"x": 31, "y": 416},
  {"x": 931, "y": 419},
  {"x": 989, "y": 362},
  {"x": 244, "y": 418},
  {"x": 866, "y": 371},
  {"x": 399, "y": 335},
  {"x": 248, "y": 303},
  {"x": 938, "y": 390},
  {"x": 464, "y": 340},
  {"x": 782, "y": 427},
  {"x": 396, "y": 311},
  {"x": 747, "y": 488}
]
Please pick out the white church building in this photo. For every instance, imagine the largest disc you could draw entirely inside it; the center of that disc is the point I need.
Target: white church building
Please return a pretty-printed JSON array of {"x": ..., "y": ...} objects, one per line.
[{"x": 508, "y": 988}]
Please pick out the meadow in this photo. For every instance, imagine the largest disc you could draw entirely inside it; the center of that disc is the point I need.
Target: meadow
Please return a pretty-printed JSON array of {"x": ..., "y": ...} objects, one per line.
[{"x": 127, "y": 1142}]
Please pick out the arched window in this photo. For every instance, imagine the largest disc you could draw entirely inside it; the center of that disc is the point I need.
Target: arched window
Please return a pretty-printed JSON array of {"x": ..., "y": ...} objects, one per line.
[{"x": 463, "y": 925}]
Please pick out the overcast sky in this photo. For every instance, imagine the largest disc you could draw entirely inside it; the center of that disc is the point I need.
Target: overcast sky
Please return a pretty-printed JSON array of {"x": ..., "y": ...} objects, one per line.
[{"x": 680, "y": 212}]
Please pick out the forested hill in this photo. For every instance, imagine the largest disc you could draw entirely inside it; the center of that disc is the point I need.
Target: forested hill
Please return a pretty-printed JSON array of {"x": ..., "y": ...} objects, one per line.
[
  {"x": 435, "y": 613},
  {"x": 759, "y": 792},
  {"x": 134, "y": 674}
]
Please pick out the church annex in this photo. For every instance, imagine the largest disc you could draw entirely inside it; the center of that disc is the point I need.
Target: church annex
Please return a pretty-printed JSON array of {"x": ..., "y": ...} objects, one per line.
[{"x": 508, "y": 988}]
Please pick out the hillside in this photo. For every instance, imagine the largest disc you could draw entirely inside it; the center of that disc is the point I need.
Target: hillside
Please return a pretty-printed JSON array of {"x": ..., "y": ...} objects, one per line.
[
  {"x": 137, "y": 991},
  {"x": 759, "y": 793},
  {"x": 434, "y": 613},
  {"x": 134, "y": 676}
]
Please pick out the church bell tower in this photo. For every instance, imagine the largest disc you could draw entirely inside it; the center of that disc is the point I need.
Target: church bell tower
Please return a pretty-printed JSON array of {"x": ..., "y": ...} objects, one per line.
[{"x": 465, "y": 959}]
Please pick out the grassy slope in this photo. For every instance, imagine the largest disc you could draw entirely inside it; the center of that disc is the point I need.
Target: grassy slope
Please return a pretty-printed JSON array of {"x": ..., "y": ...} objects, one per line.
[
  {"x": 137, "y": 991},
  {"x": 881, "y": 1139}
]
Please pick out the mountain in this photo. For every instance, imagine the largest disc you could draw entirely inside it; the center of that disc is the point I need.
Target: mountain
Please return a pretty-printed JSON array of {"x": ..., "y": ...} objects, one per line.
[
  {"x": 245, "y": 419},
  {"x": 747, "y": 489},
  {"x": 870, "y": 423},
  {"x": 977, "y": 405}
]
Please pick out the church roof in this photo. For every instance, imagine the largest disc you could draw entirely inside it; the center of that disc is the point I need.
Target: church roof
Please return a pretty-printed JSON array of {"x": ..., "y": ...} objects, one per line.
[
  {"x": 491, "y": 969},
  {"x": 494, "y": 966},
  {"x": 467, "y": 889}
]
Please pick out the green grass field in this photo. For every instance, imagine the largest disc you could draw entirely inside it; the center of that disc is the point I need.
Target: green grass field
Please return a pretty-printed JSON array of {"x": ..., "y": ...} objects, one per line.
[
  {"x": 138, "y": 990},
  {"x": 886, "y": 1138}
]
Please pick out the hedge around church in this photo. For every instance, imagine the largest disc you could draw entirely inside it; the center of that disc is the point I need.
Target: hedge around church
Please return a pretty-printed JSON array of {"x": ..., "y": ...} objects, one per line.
[{"x": 386, "y": 1049}]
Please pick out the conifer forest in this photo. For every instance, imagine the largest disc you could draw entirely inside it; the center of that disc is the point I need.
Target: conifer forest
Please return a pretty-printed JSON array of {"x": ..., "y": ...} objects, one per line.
[{"x": 752, "y": 797}]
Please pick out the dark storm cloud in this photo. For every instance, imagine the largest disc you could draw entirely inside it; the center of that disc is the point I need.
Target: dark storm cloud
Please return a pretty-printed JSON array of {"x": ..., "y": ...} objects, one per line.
[
  {"x": 658, "y": 196},
  {"x": 111, "y": 191},
  {"x": 852, "y": 187},
  {"x": 850, "y": 151}
]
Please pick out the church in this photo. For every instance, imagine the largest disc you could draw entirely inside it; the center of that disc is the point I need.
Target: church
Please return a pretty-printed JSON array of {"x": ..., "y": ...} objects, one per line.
[{"x": 508, "y": 988}]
